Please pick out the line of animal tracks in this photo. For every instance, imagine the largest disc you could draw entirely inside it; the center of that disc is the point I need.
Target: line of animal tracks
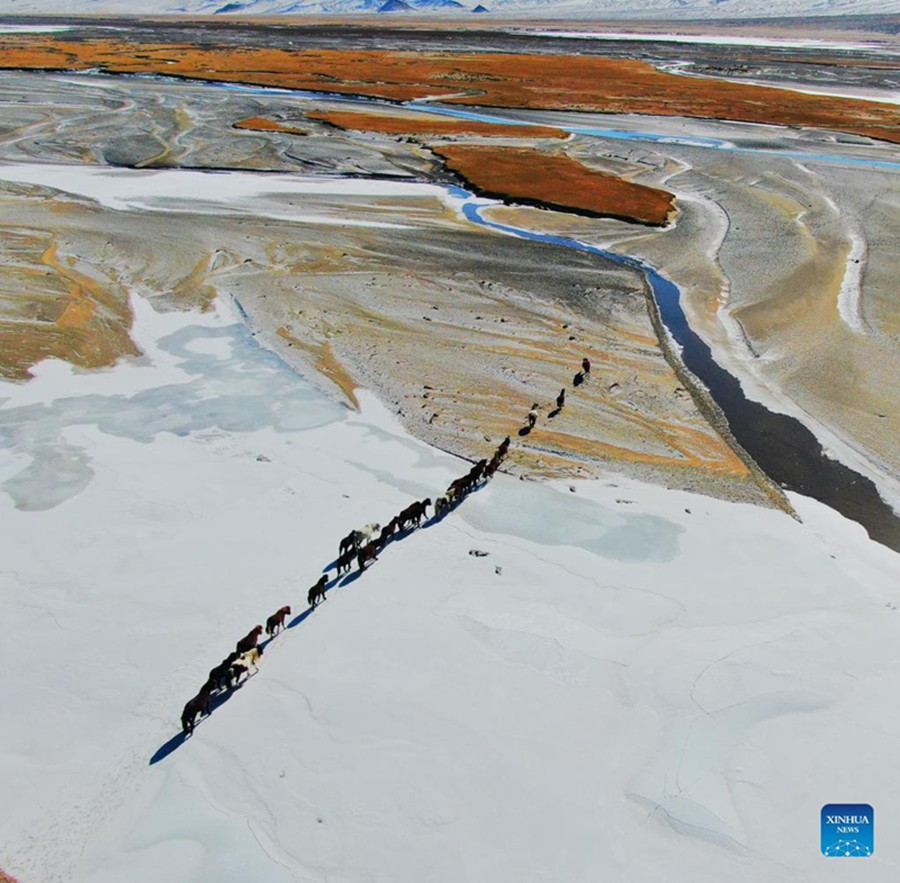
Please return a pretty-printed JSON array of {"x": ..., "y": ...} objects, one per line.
[{"x": 361, "y": 545}]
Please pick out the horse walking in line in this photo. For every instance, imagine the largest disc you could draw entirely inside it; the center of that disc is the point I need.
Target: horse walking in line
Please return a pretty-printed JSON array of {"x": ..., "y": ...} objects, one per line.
[
  {"x": 199, "y": 705},
  {"x": 406, "y": 516},
  {"x": 367, "y": 553},
  {"x": 348, "y": 542},
  {"x": 249, "y": 640},
  {"x": 387, "y": 532},
  {"x": 365, "y": 533},
  {"x": 413, "y": 514},
  {"x": 275, "y": 623},
  {"x": 442, "y": 504},
  {"x": 245, "y": 662},
  {"x": 586, "y": 366},
  {"x": 420, "y": 509},
  {"x": 532, "y": 415},
  {"x": 503, "y": 448},
  {"x": 219, "y": 676},
  {"x": 317, "y": 591},
  {"x": 345, "y": 561},
  {"x": 459, "y": 487},
  {"x": 492, "y": 467},
  {"x": 561, "y": 398}
]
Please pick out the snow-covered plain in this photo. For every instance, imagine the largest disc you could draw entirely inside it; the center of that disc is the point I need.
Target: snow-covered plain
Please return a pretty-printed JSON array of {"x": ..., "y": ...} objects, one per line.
[
  {"x": 711, "y": 39},
  {"x": 655, "y": 685}
]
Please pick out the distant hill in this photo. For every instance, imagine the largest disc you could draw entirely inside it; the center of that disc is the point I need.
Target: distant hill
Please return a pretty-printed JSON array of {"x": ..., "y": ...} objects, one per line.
[{"x": 608, "y": 9}]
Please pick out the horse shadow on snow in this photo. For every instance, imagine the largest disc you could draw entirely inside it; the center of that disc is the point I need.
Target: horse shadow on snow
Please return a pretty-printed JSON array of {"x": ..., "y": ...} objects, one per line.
[{"x": 216, "y": 701}]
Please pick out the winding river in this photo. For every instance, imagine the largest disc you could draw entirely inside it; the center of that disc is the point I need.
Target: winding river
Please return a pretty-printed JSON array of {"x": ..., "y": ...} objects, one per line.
[{"x": 783, "y": 447}]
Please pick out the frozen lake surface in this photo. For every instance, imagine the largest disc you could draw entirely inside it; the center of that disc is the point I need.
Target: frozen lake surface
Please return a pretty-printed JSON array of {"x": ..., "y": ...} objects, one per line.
[{"x": 623, "y": 685}]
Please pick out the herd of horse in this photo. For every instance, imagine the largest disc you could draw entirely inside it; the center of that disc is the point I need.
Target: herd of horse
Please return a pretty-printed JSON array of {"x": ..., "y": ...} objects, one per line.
[
  {"x": 362, "y": 546},
  {"x": 228, "y": 673}
]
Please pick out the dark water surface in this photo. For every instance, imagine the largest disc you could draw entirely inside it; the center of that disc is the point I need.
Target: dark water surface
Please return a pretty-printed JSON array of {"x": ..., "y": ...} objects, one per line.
[{"x": 781, "y": 445}]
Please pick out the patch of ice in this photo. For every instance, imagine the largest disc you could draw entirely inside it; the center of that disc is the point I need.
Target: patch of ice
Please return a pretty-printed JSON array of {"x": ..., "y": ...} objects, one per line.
[
  {"x": 254, "y": 193},
  {"x": 713, "y": 40},
  {"x": 221, "y": 380}
]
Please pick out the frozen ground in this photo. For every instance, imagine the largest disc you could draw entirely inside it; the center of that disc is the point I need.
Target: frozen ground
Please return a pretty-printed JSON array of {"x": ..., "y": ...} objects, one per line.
[
  {"x": 714, "y": 39},
  {"x": 655, "y": 686}
]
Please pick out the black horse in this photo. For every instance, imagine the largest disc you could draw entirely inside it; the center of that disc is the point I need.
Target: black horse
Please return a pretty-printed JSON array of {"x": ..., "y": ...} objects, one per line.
[
  {"x": 351, "y": 541},
  {"x": 367, "y": 553},
  {"x": 248, "y": 642},
  {"x": 345, "y": 561},
  {"x": 219, "y": 675},
  {"x": 413, "y": 514},
  {"x": 199, "y": 705},
  {"x": 493, "y": 466},
  {"x": 317, "y": 591},
  {"x": 387, "y": 532}
]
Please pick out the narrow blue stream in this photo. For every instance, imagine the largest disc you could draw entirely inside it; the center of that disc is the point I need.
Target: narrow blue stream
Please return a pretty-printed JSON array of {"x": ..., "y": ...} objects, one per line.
[{"x": 781, "y": 445}]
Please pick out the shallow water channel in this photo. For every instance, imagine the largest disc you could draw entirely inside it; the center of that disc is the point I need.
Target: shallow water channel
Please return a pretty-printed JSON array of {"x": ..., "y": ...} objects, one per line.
[{"x": 781, "y": 445}]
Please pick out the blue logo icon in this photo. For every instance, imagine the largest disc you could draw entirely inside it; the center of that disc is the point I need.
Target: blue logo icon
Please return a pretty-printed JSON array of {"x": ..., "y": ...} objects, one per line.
[{"x": 848, "y": 830}]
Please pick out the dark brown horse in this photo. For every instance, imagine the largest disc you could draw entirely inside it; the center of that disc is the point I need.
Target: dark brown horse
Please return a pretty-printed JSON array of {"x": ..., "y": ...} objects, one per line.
[
  {"x": 198, "y": 705},
  {"x": 459, "y": 487},
  {"x": 421, "y": 510},
  {"x": 317, "y": 591},
  {"x": 504, "y": 447},
  {"x": 493, "y": 466},
  {"x": 369, "y": 552},
  {"x": 413, "y": 514},
  {"x": 275, "y": 623},
  {"x": 345, "y": 561},
  {"x": 220, "y": 674},
  {"x": 387, "y": 532},
  {"x": 248, "y": 642},
  {"x": 406, "y": 516},
  {"x": 349, "y": 542}
]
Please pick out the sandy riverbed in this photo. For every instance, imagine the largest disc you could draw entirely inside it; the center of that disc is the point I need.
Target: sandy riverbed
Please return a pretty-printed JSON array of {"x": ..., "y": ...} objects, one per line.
[
  {"x": 787, "y": 266},
  {"x": 460, "y": 339},
  {"x": 737, "y": 249}
]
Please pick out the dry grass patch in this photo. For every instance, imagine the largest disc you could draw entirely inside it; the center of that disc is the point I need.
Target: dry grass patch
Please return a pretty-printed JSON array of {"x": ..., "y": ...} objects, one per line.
[
  {"x": 491, "y": 79},
  {"x": 531, "y": 177}
]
